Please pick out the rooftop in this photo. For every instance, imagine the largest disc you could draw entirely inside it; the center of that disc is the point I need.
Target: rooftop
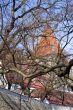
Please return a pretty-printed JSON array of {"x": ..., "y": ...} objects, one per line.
[{"x": 13, "y": 101}]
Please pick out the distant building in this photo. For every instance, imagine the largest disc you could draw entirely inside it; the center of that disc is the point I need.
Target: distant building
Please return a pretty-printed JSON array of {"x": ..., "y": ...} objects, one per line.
[{"x": 48, "y": 44}]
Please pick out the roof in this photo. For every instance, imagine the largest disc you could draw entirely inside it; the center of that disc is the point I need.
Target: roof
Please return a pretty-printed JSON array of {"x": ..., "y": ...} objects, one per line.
[{"x": 14, "y": 101}]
